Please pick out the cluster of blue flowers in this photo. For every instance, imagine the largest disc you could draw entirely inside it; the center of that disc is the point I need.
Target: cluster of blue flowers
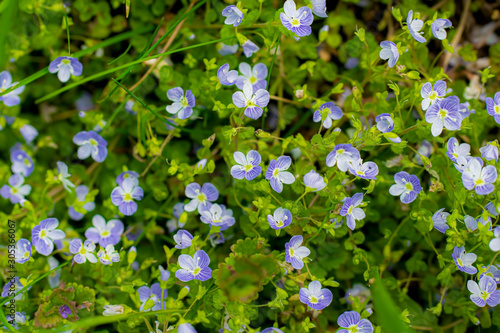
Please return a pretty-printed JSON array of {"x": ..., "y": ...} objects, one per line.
[{"x": 478, "y": 174}]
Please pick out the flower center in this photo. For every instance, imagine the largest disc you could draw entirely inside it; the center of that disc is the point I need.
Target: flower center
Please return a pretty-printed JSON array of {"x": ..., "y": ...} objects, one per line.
[
  {"x": 196, "y": 271},
  {"x": 279, "y": 223},
  {"x": 201, "y": 197},
  {"x": 360, "y": 173},
  {"x": 442, "y": 113},
  {"x": 340, "y": 151},
  {"x": 14, "y": 190},
  {"x": 479, "y": 181},
  {"x": 253, "y": 80},
  {"x": 105, "y": 233},
  {"x": 353, "y": 328},
  {"x": 460, "y": 262},
  {"x": 66, "y": 61},
  {"x": 43, "y": 233},
  {"x": 295, "y": 22},
  {"x": 248, "y": 167},
  {"x": 127, "y": 197},
  {"x": 497, "y": 109},
  {"x": 409, "y": 186},
  {"x": 433, "y": 95},
  {"x": 184, "y": 102},
  {"x": 292, "y": 251},
  {"x": 93, "y": 142},
  {"x": 349, "y": 211},
  {"x": 276, "y": 172}
]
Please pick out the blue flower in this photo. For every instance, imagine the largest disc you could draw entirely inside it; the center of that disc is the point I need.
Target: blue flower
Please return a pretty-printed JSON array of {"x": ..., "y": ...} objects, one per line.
[
  {"x": 253, "y": 103},
  {"x": 200, "y": 196},
  {"x": 217, "y": 216},
  {"x": 493, "y": 107},
  {"x": 350, "y": 321},
  {"x": 186, "y": 328},
  {"x": 492, "y": 272},
  {"x": 407, "y": 186},
  {"x": 129, "y": 107},
  {"x": 438, "y": 27},
  {"x": 164, "y": 274},
  {"x": 477, "y": 178},
  {"x": 297, "y": 21},
  {"x": 472, "y": 223},
  {"x": 495, "y": 242},
  {"x": 108, "y": 255},
  {"x": 389, "y": 52},
  {"x": 444, "y": 113},
  {"x": 15, "y": 191},
  {"x": 414, "y": 27},
  {"x": 367, "y": 170},
  {"x": 173, "y": 224},
  {"x": 249, "y": 48},
  {"x": 439, "y": 220},
  {"x": 224, "y": 49},
  {"x": 225, "y": 76},
  {"x": 91, "y": 144},
  {"x": 233, "y": 15},
  {"x": 21, "y": 163},
  {"x": 342, "y": 155},
  {"x": 81, "y": 193},
  {"x": 183, "y": 105},
  {"x": 277, "y": 175},
  {"x": 195, "y": 267},
  {"x": 492, "y": 209},
  {"x": 82, "y": 251},
  {"x": 463, "y": 109},
  {"x": 43, "y": 235},
  {"x": 484, "y": 293},
  {"x": 319, "y": 8},
  {"x": 384, "y": 122},
  {"x": 23, "y": 251},
  {"x": 455, "y": 151},
  {"x": 315, "y": 297},
  {"x": 313, "y": 181},
  {"x": 272, "y": 330},
  {"x": 327, "y": 112},
  {"x": 280, "y": 219},
  {"x": 151, "y": 298},
  {"x": 464, "y": 260},
  {"x": 432, "y": 95},
  {"x": 28, "y": 132},
  {"x": 350, "y": 209},
  {"x": 17, "y": 286},
  {"x": 256, "y": 76},
  {"x": 65, "y": 67},
  {"x": 183, "y": 239},
  {"x": 295, "y": 253},
  {"x": 103, "y": 233},
  {"x": 126, "y": 174},
  {"x": 489, "y": 152},
  {"x": 248, "y": 167},
  {"x": 63, "y": 176},
  {"x": 64, "y": 311},
  {"x": 124, "y": 196},
  {"x": 12, "y": 98}
]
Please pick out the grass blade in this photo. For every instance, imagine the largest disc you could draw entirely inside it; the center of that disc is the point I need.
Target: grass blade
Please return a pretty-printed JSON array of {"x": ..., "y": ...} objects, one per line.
[
  {"x": 386, "y": 310},
  {"x": 108, "y": 42}
]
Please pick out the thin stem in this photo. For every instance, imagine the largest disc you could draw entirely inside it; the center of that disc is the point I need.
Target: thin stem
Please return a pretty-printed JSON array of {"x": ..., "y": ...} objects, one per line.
[{"x": 67, "y": 31}]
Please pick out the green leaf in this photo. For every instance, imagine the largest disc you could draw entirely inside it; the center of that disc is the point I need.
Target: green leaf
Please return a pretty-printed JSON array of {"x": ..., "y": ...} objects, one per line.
[{"x": 387, "y": 312}]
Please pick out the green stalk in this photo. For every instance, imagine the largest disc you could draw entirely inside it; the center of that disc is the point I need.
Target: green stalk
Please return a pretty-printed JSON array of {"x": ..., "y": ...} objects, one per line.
[
  {"x": 112, "y": 70},
  {"x": 108, "y": 42}
]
